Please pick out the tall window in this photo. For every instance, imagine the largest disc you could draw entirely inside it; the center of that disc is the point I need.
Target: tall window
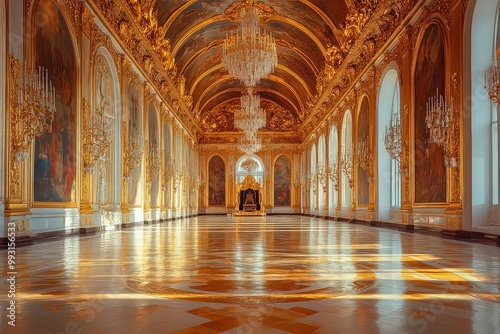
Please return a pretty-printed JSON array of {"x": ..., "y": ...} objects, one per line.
[
  {"x": 388, "y": 178},
  {"x": 494, "y": 118},
  {"x": 257, "y": 173},
  {"x": 482, "y": 178}
]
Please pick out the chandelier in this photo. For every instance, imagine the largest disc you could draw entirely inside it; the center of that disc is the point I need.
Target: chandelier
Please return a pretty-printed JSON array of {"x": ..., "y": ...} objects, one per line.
[
  {"x": 35, "y": 107},
  {"x": 249, "y": 54},
  {"x": 492, "y": 82},
  {"x": 249, "y": 165},
  {"x": 96, "y": 136},
  {"x": 250, "y": 118},
  {"x": 250, "y": 145},
  {"x": 439, "y": 121}
]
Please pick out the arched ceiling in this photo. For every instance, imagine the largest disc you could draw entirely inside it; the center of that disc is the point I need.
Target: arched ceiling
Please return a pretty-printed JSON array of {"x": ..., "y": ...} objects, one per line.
[{"x": 304, "y": 30}]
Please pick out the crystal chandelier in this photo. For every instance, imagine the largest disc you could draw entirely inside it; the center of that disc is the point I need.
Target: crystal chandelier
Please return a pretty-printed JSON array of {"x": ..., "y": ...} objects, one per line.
[
  {"x": 492, "y": 82},
  {"x": 35, "y": 107},
  {"x": 250, "y": 118},
  {"x": 439, "y": 121},
  {"x": 250, "y": 145},
  {"x": 249, "y": 54},
  {"x": 249, "y": 165}
]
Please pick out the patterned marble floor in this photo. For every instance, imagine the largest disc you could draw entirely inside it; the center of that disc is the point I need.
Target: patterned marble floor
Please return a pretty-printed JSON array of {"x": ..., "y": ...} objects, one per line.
[{"x": 275, "y": 274}]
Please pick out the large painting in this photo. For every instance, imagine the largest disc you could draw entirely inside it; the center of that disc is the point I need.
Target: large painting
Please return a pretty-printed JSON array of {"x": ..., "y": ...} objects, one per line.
[
  {"x": 430, "y": 171},
  {"x": 135, "y": 136},
  {"x": 55, "y": 156},
  {"x": 216, "y": 181},
  {"x": 363, "y": 135},
  {"x": 282, "y": 179}
]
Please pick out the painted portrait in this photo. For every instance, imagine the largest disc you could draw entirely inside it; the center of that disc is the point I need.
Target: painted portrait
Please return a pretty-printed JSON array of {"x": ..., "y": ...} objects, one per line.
[
  {"x": 134, "y": 136},
  {"x": 430, "y": 171},
  {"x": 363, "y": 134},
  {"x": 282, "y": 179},
  {"x": 216, "y": 181},
  {"x": 55, "y": 151}
]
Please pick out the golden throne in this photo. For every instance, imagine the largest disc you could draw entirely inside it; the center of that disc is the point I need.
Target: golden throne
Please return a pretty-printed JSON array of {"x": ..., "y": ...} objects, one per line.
[{"x": 249, "y": 193}]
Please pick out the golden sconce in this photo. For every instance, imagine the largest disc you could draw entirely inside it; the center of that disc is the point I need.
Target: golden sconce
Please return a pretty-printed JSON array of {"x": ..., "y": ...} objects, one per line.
[
  {"x": 333, "y": 168},
  {"x": 96, "y": 136},
  {"x": 347, "y": 166},
  {"x": 365, "y": 158},
  {"x": 132, "y": 151},
  {"x": 33, "y": 106},
  {"x": 152, "y": 161}
]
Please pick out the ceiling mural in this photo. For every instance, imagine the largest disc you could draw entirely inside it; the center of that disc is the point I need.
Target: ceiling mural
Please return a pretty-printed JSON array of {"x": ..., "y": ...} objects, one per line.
[
  {"x": 313, "y": 38},
  {"x": 303, "y": 29}
]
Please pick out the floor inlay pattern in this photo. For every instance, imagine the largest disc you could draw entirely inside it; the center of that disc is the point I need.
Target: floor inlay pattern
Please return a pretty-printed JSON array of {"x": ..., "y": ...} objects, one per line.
[{"x": 275, "y": 274}]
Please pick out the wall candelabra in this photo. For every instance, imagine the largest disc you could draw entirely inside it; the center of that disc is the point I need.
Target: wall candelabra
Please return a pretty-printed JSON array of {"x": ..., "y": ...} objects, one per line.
[
  {"x": 347, "y": 166},
  {"x": 33, "y": 106}
]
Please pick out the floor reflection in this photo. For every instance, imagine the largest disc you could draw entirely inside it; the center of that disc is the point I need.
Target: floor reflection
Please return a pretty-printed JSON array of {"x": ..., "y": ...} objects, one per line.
[{"x": 276, "y": 274}]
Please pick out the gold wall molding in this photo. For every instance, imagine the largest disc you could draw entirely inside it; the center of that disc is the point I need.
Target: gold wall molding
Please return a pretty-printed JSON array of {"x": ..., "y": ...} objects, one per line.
[
  {"x": 22, "y": 225},
  {"x": 16, "y": 138}
]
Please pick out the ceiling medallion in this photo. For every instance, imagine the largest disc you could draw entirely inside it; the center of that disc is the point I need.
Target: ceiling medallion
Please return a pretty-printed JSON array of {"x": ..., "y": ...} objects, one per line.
[{"x": 249, "y": 54}]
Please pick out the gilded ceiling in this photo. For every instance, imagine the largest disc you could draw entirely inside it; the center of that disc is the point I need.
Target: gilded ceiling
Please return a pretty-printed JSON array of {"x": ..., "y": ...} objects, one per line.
[
  {"x": 322, "y": 46},
  {"x": 304, "y": 31}
]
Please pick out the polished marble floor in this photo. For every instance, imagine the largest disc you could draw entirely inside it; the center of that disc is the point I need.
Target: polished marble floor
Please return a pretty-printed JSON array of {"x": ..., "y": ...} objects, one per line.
[{"x": 275, "y": 274}]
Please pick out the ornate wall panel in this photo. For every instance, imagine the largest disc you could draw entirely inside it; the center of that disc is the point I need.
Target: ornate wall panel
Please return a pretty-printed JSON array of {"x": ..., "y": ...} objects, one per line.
[
  {"x": 430, "y": 171},
  {"x": 282, "y": 181},
  {"x": 216, "y": 181},
  {"x": 54, "y": 172},
  {"x": 135, "y": 136},
  {"x": 363, "y": 136}
]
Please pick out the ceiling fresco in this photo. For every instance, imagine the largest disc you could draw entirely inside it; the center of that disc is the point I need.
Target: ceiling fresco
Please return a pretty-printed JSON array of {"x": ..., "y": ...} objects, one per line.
[{"x": 304, "y": 31}]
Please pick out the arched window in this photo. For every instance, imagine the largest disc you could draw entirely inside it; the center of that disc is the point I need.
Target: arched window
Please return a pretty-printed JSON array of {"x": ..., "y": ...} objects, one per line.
[
  {"x": 153, "y": 154},
  {"x": 135, "y": 138},
  {"x": 257, "y": 173},
  {"x": 333, "y": 165},
  {"x": 312, "y": 176},
  {"x": 485, "y": 51},
  {"x": 389, "y": 179},
  {"x": 363, "y": 143},
  {"x": 346, "y": 152},
  {"x": 321, "y": 171},
  {"x": 282, "y": 181}
]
